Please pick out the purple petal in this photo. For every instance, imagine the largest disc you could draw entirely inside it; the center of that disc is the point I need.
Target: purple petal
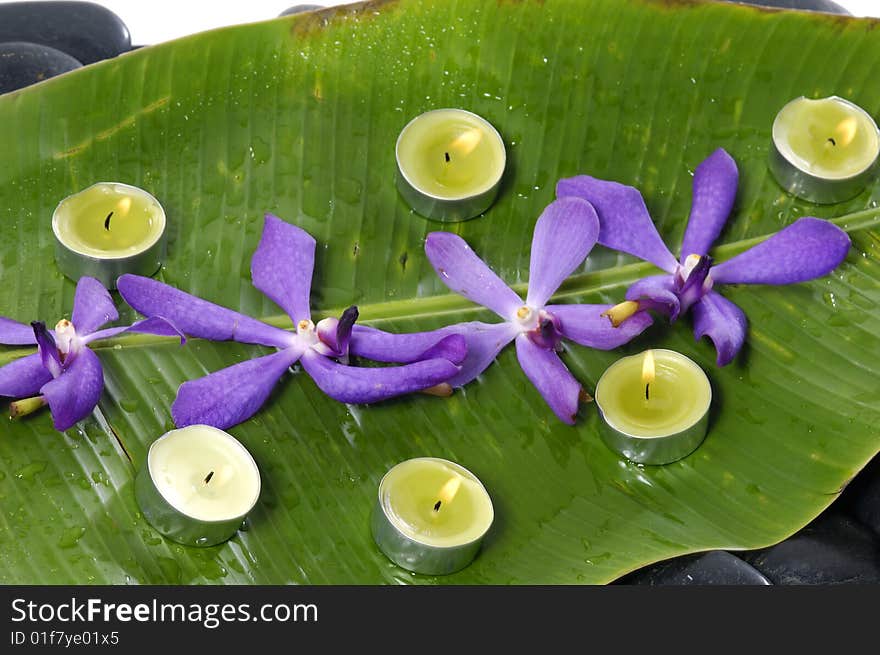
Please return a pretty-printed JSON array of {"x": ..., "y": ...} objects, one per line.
[
  {"x": 196, "y": 317},
  {"x": 282, "y": 266},
  {"x": 47, "y": 349},
  {"x": 483, "y": 342},
  {"x": 13, "y": 333},
  {"x": 452, "y": 348},
  {"x": 584, "y": 324},
  {"x": 231, "y": 395},
  {"x": 656, "y": 292},
  {"x": 723, "y": 322},
  {"x": 466, "y": 274},
  {"x": 624, "y": 221},
  {"x": 154, "y": 325},
  {"x": 564, "y": 235},
  {"x": 715, "y": 183},
  {"x": 552, "y": 380},
  {"x": 74, "y": 394},
  {"x": 92, "y": 306},
  {"x": 352, "y": 384},
  {"x": 23, "y": 377},
  {"x": 403, "y": 348},
  {"x": 806, "y": 249}
]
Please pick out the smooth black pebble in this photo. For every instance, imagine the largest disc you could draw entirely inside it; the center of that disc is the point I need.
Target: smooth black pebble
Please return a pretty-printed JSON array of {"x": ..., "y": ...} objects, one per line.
[
  {"x": 861, "y": 498},
  {"x": 23, "y": 64},
  {"x": 84, "y": 30},
  {"x": 717, "y": 567},
  {"x": 807, "y": 5},
  {"x": 833, "y": 549},
  {"x": 298, "y": 9}
]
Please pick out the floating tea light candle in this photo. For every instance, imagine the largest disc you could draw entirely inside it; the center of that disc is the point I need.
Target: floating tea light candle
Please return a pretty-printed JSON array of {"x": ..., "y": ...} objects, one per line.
[
  {"x": 825, "y": 150},
  {"x": 653, "y": 407},
  {"x": 431, "y": 515},
  {"x": 107, "y": 230},
  {"x": 198, "y": 485},
  {"x": 449, "y": 164}
]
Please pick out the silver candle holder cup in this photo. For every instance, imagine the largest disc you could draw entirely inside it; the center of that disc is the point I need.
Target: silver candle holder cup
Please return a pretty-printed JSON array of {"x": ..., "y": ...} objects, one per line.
[
  {"x": 75, "y": 259},
  {"x": 797, "y": 174},
  {"x": 427, "y": 196},
  {"x": 665, "y": 446}
]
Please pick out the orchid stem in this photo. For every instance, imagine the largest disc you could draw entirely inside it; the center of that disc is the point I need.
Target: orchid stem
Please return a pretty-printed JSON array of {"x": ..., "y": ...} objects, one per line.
[{"x": 25, "y": 406}]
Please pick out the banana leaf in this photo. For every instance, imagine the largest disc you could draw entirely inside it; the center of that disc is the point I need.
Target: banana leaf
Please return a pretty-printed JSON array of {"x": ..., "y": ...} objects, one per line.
[{"x": 298, "y": 116}]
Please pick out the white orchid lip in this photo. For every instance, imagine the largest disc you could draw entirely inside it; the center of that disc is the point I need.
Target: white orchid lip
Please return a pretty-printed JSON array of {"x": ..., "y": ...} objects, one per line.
[{"x": 65, "y": 335}]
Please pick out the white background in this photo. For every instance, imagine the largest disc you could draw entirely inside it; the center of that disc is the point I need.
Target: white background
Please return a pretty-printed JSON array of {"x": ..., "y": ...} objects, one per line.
[{"x": 153, "y": 21}]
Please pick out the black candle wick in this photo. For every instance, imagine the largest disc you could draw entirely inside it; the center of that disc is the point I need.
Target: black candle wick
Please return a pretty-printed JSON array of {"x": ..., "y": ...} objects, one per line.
[
  {"x": 832, "y": 141},
  {"x": 208, "y": 477},
  {"x": 107, "y": 221},
  {"x": 437, "y": 506},
  {"x": 448, "y": 159},
  {"x": 648, "y": 391}
]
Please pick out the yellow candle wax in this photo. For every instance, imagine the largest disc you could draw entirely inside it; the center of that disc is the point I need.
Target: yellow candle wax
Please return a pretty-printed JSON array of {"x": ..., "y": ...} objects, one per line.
[
  {"x": 436, "y": 502},
  {"x": 676, "y": 398},
  {"x": 450, "y": 164},
  {"x": 109, "y": 229},
  {"x": 431, "y": 515},
  {"x": 824, "y": 150},
  {"x": 830, "y": 137}
]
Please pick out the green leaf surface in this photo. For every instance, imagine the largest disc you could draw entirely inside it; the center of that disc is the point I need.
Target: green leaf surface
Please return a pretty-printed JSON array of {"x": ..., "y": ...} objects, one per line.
[{"x": 299, "y": 116}]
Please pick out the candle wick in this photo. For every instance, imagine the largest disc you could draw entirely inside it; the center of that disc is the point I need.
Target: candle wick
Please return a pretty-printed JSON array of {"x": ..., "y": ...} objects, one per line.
[
  {"x": 832, "y": 141},
  {"x": 107, "y": 221},
  {"x": 437, "y": 506},
  {"x": 208, "y": 477},
  {"x": 448, "y": 159},
  {"x": 648, "y": 391}
]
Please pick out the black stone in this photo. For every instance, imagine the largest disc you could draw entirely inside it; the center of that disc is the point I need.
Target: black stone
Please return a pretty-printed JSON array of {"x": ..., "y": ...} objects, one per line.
[
  {"x": 716, "y": 567},
  {"x": 84, "y": 30},
  {"x": 298, "y": 9},
  {"x": 808, "y": 5},
  {"x": 833, "y": 549},
  {"x": 861, "y": 498},
  {"x": 23, "y": 64}
]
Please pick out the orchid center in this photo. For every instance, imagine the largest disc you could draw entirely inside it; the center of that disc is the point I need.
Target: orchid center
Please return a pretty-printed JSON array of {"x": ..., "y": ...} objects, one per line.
[
  {"x": 546, "y": 332},
  {"x": 526, "y": 317},
  {"x": 695, "y": 265},
  {"x": 65, "y": 335},
  {"x": 305, "y": 331},
  {"x": 690, "y": 263}
]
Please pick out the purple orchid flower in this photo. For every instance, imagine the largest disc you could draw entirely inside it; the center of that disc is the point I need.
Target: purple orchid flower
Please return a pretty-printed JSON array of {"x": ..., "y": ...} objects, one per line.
[
  {"x": 64, "y": 373},
  {"x": 282, "y": 268},
  {"x": 806, "y": 249},
  {"x": 564, "y": 235}
]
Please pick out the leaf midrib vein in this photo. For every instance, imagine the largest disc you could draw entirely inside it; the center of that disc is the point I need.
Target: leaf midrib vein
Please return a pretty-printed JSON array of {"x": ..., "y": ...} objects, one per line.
[{"x": 451, "y": 303}]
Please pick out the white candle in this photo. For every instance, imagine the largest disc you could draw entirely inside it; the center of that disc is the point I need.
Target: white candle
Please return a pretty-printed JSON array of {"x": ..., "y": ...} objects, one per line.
[{"x": 199, "y": 483}]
